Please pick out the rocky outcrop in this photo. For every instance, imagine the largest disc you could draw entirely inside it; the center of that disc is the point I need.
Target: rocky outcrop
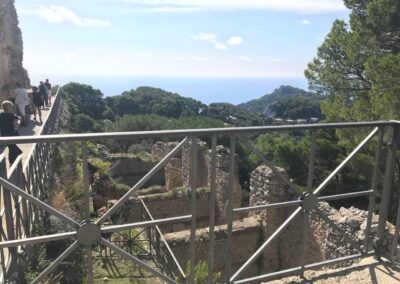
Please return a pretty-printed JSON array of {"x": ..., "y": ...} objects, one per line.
[{"x": 11, "y": 51}]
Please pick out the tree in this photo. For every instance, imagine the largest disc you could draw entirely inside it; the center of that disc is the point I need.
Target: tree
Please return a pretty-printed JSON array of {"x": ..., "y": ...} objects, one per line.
[
  {"x": 343, "y": 69},
  {"x": 84, "y": 99},
  {"x": 358, "y": 68}
]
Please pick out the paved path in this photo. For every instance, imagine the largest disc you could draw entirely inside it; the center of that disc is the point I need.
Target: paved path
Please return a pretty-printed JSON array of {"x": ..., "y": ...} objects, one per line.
[{"x": 33, "y": 128}]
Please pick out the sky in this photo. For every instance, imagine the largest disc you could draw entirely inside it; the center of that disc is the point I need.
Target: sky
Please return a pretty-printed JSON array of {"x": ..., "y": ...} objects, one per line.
[{"x": 177, "y": 38}]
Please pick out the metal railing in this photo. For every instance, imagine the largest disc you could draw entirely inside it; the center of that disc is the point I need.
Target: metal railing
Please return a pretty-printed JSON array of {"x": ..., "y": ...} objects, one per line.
[
  {"x": 91, "y": 232},
  {"x": 17, "y": 215}
]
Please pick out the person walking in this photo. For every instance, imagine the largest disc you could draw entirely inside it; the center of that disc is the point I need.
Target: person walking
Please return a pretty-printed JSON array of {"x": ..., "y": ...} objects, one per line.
[
  {"x": 48, "y": 86},
  {"x": 9, "y": 123},
  {"x": 37, "y": 102},
  {"x": 22, "y": 101},
  {"x": 43, "y": 92}
]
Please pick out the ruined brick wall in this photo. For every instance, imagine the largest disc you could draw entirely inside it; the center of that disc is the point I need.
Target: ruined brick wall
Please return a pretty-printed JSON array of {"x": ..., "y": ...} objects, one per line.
[
  {"x": 202, "y": 165},
  {"x": 222, "y": 185},
  {"x": 245, "y": 239},
  {"x": 166, "y": 205},
  {"x": 160, "y": 149},
  {"x": 324, "y": 241},
  {"x": 267, "y": 187},
  {"x": 129, "y": 170},
  {"x": 173, "y": 174},
  {"x": 177, "y": 174},
  {"x": 11, "y": 51}
]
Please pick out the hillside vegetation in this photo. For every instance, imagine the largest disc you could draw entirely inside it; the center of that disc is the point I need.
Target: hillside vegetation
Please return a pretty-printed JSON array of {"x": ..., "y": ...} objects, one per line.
[{"x": 287, "y": 102}]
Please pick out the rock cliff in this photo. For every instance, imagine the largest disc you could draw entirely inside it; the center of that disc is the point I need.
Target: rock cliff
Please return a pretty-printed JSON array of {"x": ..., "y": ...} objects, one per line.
[{"x": 11, "y": 50}]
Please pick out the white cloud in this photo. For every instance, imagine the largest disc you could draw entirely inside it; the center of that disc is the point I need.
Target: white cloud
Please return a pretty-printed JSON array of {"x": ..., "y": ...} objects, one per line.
[
  {"x": 59, "y": 14},
  {"x": 305, "y": 22},
  {"x": 235, "y": 40},
  {"x": 174, "y": 57},
  {"x": 210, "y": 38},
  {"x": 244, "y": 58},
  {"x": 303, "y": 6},
  {"x": 219, "y": 45},
  {"x": 199, "y": 58},
  {"x": 205, "y": 37},
  {"x": 165, "y": 10}
]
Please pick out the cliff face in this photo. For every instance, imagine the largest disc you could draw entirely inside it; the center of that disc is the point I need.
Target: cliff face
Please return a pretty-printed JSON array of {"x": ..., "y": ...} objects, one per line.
[{"x": 11, "y": 50}]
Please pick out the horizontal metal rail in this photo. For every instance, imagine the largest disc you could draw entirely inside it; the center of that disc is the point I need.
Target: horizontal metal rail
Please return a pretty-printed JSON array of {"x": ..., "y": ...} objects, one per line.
[
  {"x": 115, "y": 228},
  {"x": 186, "y": 132},
  {"x": 299, "y": 202},
  {"x": 37, "y": 240}
]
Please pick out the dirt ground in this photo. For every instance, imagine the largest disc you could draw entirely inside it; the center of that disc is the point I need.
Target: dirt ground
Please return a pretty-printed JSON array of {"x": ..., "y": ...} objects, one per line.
[{"x": 366, "y": 271}]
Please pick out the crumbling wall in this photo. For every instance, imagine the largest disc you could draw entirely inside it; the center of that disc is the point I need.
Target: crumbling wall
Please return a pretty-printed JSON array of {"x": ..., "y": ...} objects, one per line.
[
  {"x": 177, "y": 174},
  {"x": 167, "y": 205},
  {"x": 11, "y": 51},
  {"x": 173, "y": 174},
  {"x": 202, "y": 165},
  {"x": 324, "y": 241},
  {"x": 245, "y": 239},
  {"x": 222, "y": 185},
  {"x": 129, "y": 170},
  {"x": 267, "y": 187}
]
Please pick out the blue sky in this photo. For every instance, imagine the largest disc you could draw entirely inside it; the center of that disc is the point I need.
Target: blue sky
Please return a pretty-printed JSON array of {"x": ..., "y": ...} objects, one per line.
[{"x": 199, "y": 38}]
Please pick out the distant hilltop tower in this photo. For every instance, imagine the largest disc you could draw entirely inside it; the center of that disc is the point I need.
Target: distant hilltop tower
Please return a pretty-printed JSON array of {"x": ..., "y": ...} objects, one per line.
[{"x": 11, "y": 50}]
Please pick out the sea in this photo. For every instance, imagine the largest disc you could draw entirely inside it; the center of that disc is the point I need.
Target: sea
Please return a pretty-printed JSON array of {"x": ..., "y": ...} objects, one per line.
[{"x": 207, "y": 90}]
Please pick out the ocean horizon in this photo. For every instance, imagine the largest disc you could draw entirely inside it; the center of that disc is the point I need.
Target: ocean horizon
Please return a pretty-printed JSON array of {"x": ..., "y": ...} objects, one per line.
[{"x": 207, "y": 90}]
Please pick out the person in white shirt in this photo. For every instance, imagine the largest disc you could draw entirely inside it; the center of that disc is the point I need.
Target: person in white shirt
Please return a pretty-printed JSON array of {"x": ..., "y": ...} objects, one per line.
[{"x": 21, "y": 100}]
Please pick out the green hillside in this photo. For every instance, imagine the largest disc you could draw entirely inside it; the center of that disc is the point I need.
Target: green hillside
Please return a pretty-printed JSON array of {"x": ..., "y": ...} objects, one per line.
[{"x": 287, "y": 102}]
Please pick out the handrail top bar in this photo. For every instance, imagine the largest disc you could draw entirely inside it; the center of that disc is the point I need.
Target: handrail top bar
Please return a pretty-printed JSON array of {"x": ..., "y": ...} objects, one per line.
[{"x": 185, "y": 132}]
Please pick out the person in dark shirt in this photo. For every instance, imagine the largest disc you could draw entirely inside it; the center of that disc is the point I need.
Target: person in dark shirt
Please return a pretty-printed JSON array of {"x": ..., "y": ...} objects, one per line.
[
  {"x": 9, "y": 123},
  {"x": 38, "y": 102},
  {"x": 43, "y": 92}
]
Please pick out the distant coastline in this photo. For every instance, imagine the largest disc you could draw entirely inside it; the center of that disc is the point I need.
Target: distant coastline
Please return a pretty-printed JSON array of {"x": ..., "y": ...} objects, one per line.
[{"x": 207, "y": 90}]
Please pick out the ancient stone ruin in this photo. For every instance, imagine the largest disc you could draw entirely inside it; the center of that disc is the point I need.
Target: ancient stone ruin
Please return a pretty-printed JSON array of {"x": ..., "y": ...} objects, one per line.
[
  {"x": 249, "y": 230},
  {"x": 11, "y": 51}
]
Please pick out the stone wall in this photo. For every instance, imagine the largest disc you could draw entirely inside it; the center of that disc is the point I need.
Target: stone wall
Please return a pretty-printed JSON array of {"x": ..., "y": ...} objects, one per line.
[
  {"x": 324, "y": 241},
  {"x": 222, "y": 185},
  {"x": 177, "y": 174},
  {"x": 11, "y": 51},
  {"x": 245, "y": 239},
  {"x": 267, "y": 187},
  {"x": 202, "y": 165},
  {"x": 129, "y": 170},
  {"x": 166, "y": 205}
]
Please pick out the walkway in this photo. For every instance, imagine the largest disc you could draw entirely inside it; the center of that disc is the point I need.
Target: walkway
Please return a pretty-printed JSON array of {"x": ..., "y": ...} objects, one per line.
[{"x": 33, "y": 128}]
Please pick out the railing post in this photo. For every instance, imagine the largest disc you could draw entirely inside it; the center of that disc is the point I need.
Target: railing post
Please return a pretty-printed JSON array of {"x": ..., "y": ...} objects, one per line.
[
  {"x": 212, "y": 209},
  {"x": 387, "y": 187},
  {"x": 193, "y": 185},
  {"x": 374, "y": 184},
  {"x": 229, "y": 217}
]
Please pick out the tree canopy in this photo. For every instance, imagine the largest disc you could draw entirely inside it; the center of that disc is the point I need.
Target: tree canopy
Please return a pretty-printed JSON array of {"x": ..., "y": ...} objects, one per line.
[{"x": 357, "y": 66}]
